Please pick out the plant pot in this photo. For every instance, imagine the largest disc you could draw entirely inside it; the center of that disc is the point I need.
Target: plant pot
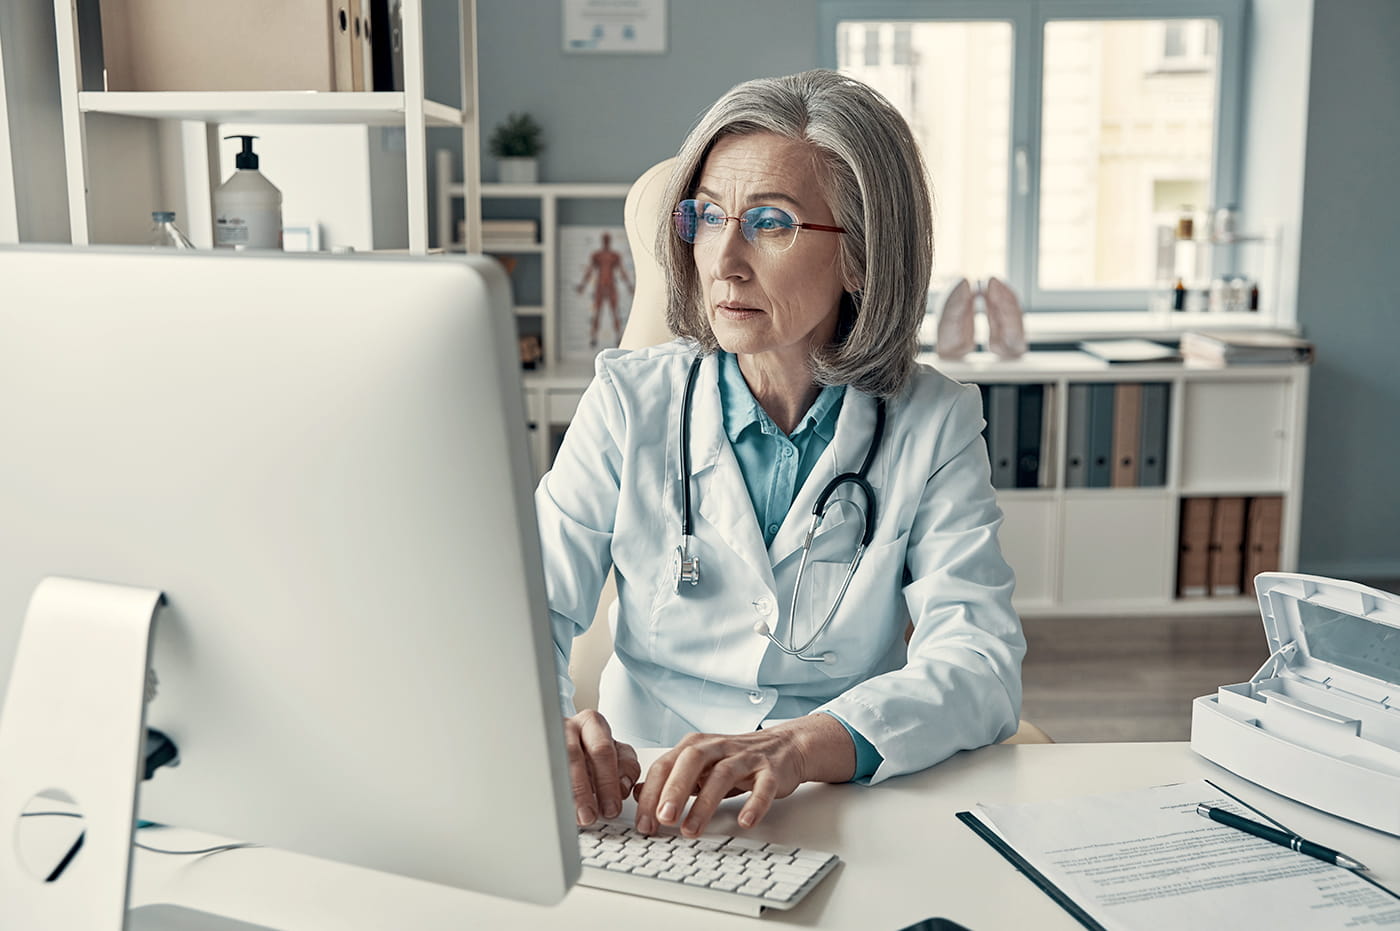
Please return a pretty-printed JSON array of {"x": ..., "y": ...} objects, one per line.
[{"x": 518, "y": 170}]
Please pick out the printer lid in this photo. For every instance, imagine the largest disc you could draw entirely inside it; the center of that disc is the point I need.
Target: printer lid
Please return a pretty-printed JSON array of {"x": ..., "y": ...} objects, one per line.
[{"x": 1332, "y": 633}]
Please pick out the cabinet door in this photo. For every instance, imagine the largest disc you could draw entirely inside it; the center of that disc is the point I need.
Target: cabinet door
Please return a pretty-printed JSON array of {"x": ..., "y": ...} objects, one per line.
[
  {"x": 1117, "y": 546},
  {"x": 1234, "y": 436},
  {"x": 1027, "y": 540}
]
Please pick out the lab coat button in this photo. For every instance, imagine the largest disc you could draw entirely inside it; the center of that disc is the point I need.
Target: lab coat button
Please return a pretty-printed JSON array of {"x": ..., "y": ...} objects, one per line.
[
  {"x": 763, "y": 606},
  {"x": 756, "y": 697}
]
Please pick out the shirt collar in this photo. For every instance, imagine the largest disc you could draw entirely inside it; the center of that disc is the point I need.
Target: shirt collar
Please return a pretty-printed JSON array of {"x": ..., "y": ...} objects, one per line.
[{"x": 742, "y": 410}]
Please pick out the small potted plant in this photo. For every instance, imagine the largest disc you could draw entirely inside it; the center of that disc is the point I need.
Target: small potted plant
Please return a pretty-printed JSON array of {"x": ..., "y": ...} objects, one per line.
[{"x": 516, "y": 143}]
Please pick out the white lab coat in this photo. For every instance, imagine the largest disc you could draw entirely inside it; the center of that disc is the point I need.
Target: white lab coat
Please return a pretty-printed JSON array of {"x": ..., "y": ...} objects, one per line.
[{"x": 693, "y": 662}]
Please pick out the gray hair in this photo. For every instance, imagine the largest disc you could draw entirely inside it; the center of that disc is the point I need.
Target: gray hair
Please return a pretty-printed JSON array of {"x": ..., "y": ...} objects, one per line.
[{"x": 872, "y": 176}]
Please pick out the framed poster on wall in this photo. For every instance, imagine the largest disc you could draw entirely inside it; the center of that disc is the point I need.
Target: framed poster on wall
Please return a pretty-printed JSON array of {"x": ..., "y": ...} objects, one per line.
[{"x": 635, "y": 27}]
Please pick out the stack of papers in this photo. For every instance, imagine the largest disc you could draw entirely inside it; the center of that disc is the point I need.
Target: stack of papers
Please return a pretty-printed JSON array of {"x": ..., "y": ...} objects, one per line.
[
  {"x": 1145, "y": 860},
  {"x": 510, "y": 232},
  {"x": 1129, "y": 350},
  {"x": 1250, "y": 346}
]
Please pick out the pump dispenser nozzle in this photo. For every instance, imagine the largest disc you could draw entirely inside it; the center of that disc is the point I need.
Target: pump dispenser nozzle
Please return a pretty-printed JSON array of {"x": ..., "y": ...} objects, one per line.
[{"x": 247, "y": 158}]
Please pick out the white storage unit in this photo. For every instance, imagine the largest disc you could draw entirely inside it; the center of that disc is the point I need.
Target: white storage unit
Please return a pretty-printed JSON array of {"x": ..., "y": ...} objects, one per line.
[
  {"x": 128, "y": 153},
  {"x": 1235, "y": 431},
  {"x": 548, "y": 197}
]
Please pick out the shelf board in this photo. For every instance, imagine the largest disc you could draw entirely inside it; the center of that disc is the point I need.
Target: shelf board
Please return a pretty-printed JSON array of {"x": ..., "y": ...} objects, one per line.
[
  {"x": 529, "y": 310},
  {"x": 575, "y": 189},
  {"x": 512, "y": 248},
  {"x": 312, "y": 107}
]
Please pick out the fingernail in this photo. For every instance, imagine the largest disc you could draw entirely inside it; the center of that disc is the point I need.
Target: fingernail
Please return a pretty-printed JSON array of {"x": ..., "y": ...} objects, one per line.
[
  {"x": 645, "y": 824},
  {"x": 746, "y": 819},
  {"x": 586, "y": 816},
  {"x": 611, "y": 809},
  {"x": 626, "y": 786},
  {"x": 667, "y": 813}
]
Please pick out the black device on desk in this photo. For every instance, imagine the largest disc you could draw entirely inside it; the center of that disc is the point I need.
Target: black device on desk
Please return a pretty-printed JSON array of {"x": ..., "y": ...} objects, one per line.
[{"x": 934, "y": 924}]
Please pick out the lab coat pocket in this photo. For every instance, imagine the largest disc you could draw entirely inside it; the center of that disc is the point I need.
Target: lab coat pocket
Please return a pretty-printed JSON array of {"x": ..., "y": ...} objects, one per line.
[{"x": 869, "y": 617}]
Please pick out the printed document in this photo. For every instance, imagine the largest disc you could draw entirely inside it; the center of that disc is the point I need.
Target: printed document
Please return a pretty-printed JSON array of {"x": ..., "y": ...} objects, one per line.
[{"x": 1145, "y": 860}]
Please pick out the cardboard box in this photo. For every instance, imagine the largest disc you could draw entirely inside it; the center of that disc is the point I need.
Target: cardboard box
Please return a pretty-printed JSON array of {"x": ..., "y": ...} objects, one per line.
[{"x": 223, "y": 45}]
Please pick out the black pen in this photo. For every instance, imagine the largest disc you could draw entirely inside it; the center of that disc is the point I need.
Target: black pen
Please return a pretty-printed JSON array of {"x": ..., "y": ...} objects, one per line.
[{"x": 1282, "y": 838}]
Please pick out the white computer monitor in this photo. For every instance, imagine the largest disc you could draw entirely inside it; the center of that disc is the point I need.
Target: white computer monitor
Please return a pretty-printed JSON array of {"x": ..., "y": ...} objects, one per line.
[{"x": 321, "y": 461}]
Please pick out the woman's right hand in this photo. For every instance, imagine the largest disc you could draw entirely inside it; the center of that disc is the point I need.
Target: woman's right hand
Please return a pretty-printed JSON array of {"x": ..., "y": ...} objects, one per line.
[{"x": 602, "y": 771}]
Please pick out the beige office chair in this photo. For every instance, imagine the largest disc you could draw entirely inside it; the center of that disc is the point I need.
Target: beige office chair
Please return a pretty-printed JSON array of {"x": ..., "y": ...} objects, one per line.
[{"x": 646, "y": 326}]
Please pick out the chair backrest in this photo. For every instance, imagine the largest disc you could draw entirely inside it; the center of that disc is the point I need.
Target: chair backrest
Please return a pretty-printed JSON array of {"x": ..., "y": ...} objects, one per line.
[
  {"x": 646, "y": 326},
  {"x": 646, "y": 322}
]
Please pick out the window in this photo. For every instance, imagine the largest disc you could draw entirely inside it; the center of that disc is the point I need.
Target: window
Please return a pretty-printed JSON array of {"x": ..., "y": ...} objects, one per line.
[{"x": 1057, "y": 178}]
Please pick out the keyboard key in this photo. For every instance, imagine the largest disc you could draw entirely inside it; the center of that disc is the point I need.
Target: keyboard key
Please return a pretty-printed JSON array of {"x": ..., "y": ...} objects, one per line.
[
  {"x": 755, "y": 887},
  {"x": 782, "y": 891}
]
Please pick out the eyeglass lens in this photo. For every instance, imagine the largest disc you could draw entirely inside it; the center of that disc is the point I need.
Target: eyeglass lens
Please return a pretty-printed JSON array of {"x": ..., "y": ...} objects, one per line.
[{"x": 770, "y": 228}]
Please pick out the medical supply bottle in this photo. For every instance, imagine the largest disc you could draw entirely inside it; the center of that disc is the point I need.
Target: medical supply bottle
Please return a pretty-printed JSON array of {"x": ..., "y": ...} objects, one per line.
[
  {"x": 165, "y": 234},
  {"x": 247, "y": 207}
]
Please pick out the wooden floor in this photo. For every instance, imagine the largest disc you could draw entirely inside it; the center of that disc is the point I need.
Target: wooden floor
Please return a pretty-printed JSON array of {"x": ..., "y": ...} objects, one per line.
[{"x": 1107, "y": 679}]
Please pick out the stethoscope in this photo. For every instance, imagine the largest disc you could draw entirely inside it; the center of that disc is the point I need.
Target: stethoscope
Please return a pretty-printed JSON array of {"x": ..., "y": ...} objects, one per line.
[{"x": 686, "y": 568}]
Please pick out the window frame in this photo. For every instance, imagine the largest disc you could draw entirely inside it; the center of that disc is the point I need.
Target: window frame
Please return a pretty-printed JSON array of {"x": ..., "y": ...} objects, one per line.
[{"x": 1028, "y": 19}]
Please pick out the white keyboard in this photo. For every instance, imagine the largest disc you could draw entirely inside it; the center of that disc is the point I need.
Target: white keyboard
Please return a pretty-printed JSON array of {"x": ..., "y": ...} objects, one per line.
[{"x": 732, "y": 874}]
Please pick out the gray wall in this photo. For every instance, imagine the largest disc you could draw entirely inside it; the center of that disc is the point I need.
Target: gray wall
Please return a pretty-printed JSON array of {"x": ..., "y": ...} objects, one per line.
[
  {"x": 1347, "y": 291},
  {"x": 607, "y": 118}
]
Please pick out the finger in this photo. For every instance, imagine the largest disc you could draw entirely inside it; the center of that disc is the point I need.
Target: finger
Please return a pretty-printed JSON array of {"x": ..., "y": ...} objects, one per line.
[
  {"x": 629, "y": 770},
  {"x": 649, "y": 791},
  {"x": 691, "y": 763},
  {"x": 724, "y": 778},
  {"x": 765, "y": 789},
  {"x": 601, "y": 751},
  {"x": 580, "y": 778}
]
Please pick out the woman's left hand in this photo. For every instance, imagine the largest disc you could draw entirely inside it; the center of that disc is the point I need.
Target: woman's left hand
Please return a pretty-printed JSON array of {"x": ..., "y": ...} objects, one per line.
[{"x": 769, "y": 764}]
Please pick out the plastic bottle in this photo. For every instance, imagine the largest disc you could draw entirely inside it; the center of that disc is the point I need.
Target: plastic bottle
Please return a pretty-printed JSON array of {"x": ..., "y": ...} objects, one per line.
[
  {"x": 165, "y": 234},
  {"x": 1179, "y": 295},
  {"x": 247, "y": 207}
]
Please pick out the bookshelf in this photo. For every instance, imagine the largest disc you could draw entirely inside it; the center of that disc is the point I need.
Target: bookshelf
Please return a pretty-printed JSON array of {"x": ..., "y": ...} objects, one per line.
[
  {"x": 1230, "y": 432},
  {"x": 127, "y": 153},
  {"x": 544, "y": 202},
  {"x": 1234, "y": 432}
]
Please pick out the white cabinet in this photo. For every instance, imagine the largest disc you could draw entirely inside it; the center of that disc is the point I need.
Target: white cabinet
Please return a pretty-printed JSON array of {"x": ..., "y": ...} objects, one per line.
[
  {"x": 128, "y": 153},
  {"x": 1234, "y": 432}
]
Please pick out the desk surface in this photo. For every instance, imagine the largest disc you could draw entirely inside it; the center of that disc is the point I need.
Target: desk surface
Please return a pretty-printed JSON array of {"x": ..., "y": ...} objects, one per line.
[{"x": 905, "y": 856}]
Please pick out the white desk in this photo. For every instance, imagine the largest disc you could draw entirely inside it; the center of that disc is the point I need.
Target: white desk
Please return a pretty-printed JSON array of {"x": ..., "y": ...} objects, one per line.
[{"x": 906, "y": 857}]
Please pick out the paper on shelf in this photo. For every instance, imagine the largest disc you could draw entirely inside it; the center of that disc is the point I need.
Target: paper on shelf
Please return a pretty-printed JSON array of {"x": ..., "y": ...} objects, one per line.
[{"x": 1145, "y": 860}]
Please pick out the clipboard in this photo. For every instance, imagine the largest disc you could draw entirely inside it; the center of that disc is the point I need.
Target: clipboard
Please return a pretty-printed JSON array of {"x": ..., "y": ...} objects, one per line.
[{"x": 1024, "y": 867}]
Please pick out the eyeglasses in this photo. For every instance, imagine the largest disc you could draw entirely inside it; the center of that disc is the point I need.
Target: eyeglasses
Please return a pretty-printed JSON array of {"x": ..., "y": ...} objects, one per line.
[{"x": 771, "y": 229}]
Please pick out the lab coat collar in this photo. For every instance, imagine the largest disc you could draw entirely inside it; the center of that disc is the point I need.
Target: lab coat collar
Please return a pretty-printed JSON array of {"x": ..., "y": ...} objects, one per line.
[
  {"x": 855, "y": 427},
  {"x": 718, "y": 492}
]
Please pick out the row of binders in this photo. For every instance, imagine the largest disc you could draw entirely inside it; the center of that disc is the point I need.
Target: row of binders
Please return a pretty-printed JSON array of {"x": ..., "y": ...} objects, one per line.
[
  {"x": 1116, "y": 435},
  {"x": 1019, "y": 420},
  {"x": 1225, "y": 542},
  {"x": 252, "y": 45}
]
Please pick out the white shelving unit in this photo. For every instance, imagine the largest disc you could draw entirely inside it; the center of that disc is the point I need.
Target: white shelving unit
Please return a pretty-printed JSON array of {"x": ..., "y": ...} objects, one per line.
[
  {"x": 101, "y": 126},
  {"x": 548, "y": 197},
  {"x": 1234, "y": 431}
]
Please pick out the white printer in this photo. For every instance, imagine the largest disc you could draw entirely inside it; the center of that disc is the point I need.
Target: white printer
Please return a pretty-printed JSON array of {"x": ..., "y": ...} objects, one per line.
[{"x": 1320, "y": 722}]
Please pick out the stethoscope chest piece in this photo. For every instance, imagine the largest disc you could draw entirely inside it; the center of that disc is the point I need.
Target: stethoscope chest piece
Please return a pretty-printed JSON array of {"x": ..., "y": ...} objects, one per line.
[{"x": 684, "y": 567}]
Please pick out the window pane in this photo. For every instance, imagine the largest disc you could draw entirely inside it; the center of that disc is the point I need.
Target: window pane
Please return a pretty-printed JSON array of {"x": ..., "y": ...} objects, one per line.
[
  {"x": 952, "y": 81},
  {"x": 1127, "y": 141}
]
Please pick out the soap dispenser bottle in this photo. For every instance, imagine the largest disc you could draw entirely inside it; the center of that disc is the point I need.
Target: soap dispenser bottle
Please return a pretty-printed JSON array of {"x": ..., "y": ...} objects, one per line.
[{"x": 247, "y": 207}]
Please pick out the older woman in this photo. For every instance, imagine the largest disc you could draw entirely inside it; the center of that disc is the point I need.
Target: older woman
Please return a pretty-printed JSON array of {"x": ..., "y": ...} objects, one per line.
[{"x": 765, "y": 655}]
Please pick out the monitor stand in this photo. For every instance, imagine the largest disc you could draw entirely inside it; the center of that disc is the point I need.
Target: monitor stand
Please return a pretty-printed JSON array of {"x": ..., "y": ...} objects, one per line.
[{"x": 73, "y": 723}]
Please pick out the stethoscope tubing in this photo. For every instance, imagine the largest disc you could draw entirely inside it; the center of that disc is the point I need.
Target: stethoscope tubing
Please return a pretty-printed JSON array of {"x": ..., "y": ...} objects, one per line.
[{"x": 687, "y": 568}]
